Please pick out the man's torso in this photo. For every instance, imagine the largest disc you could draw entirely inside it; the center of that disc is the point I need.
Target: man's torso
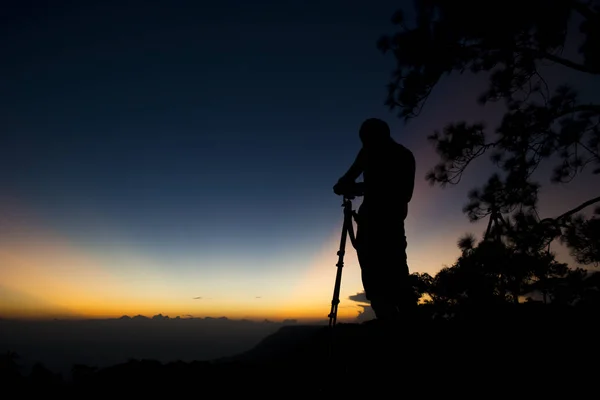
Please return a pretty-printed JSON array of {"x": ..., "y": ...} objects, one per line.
[{"x": 388, "y": 176}]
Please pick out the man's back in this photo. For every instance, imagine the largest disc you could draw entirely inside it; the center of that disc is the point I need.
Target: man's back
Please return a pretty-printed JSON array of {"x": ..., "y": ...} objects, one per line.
[{"x": 388, "y": 174}]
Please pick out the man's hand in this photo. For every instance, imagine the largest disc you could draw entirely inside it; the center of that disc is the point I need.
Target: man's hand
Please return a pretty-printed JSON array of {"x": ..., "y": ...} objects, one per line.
[
  {"x": 338, "y": 188},
  {"x": 348, "y": 188}
]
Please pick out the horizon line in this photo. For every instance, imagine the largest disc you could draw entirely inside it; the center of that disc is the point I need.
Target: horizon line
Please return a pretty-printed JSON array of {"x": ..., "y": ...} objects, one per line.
[{"x": 160, "y": 317}]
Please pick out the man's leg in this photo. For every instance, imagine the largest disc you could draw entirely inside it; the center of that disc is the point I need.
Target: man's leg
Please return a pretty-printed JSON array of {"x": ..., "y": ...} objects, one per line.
[
  {"x": 405, "y": 298},
  {"x": 392, "y": 272},
  {"x": 365, "y": 252},
  {"x": 377, "y": 282},
  {"x": 381, "y": 250}
]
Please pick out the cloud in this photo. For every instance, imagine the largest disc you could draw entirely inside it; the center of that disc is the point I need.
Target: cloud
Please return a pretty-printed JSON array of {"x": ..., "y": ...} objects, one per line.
[
  {"x": 366, "y": 314},
  {"x": 259, "y": 297},
  {"x": 198, "y": 298},
  {"x": 359, "y": 297}
]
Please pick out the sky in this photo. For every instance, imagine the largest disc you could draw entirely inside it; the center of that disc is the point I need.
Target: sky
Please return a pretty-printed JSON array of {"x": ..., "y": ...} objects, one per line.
[{"x": 179, "y": 157}]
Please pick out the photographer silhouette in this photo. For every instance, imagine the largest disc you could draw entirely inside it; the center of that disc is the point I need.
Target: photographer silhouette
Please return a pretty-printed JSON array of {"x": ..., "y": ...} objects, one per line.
[{"x": 388, "y": 170}]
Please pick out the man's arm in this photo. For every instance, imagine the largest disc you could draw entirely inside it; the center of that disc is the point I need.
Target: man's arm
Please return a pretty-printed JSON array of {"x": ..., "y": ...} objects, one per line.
[
  {"x": 355, "y": 169},
  {"x": 347, "y": 182}
]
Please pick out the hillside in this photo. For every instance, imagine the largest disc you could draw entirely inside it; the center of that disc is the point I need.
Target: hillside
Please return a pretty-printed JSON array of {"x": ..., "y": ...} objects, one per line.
[{"x": 515, "y": 354}]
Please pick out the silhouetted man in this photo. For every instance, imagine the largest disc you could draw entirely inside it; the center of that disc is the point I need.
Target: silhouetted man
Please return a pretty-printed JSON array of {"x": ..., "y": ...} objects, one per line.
[{"x": 388, "y": 170}]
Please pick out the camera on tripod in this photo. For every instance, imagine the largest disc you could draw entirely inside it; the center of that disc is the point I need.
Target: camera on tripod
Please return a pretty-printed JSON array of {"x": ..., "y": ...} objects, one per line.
[{"x": 349, "y": 190}]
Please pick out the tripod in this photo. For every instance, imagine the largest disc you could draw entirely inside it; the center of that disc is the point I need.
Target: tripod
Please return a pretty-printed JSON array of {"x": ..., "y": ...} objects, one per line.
[{"x": 347, "y": 231}]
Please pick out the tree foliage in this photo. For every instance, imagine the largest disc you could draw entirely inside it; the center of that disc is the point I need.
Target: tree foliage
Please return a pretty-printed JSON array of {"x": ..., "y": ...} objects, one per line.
[{"x": 510, "y": 41}]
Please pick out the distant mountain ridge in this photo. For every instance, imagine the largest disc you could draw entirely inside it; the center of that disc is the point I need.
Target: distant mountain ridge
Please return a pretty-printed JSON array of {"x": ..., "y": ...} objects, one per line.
[
  {"x": 482, "y": 356},
  {"x": 59, "y": 344}
]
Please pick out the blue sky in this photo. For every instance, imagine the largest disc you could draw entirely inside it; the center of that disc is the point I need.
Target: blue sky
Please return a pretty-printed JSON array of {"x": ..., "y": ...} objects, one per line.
[{"x": 153, "y": 152}]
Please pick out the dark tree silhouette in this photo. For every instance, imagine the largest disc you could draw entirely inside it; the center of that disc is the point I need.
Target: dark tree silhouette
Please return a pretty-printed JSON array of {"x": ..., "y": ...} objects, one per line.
[
  {"x": 10, "y": 373},
  {"x": 583, "y": 237},
  {"x": 509, "y": 41},
  {"x": 83, "y": 374}
]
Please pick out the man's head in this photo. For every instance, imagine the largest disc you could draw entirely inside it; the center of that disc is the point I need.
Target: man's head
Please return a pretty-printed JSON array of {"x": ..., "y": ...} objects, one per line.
[{"x": 374, "y": 132}]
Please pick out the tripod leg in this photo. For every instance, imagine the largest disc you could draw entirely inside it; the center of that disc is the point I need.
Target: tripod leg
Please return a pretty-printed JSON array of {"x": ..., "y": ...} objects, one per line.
[{"x": 338, "y": 277}]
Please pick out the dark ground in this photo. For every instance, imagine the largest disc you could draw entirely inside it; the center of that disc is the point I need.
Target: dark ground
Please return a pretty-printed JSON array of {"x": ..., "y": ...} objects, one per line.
[{"x": 518, "y": 354}]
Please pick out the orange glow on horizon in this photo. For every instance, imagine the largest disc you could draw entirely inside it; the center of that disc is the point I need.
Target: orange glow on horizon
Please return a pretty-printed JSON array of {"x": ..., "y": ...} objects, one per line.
[
  {"x": 48, "y": 278},
  {"x": 44, "y": 275}
]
